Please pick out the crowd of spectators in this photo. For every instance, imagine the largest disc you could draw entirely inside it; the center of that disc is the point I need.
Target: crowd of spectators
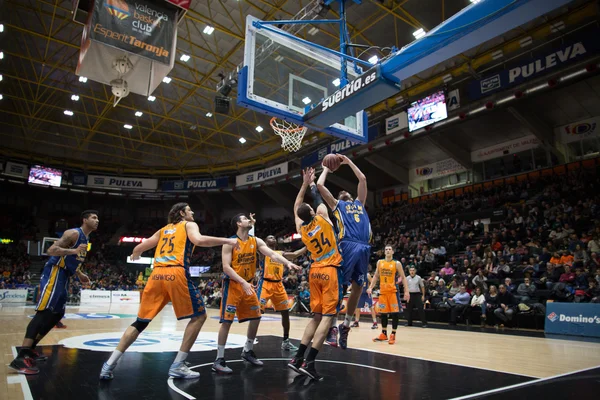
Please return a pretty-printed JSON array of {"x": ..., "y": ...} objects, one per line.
[
  {"x": 545, "y": 247},
  {"x": 14, "y": 267}
]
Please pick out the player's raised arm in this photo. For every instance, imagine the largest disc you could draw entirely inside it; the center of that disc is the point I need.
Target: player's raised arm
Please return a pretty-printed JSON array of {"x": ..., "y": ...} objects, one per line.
[
  {"x": 361, "y": 191},
  {"x": 292, "y": 255},
  {"x": 400, "y": 269},
  {"x": 146, "y": 245},
  {"x": 325, "y": 193},
  {"x": 306, "y": 180},
  {"x": 266, "y": 251},
  {"x": 62, "y": 247},
  {"x": 198, "y": 239}
]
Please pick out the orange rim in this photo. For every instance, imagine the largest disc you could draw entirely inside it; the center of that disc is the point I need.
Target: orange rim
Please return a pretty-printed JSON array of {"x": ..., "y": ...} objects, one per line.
[{"x": 287, "y": 130}]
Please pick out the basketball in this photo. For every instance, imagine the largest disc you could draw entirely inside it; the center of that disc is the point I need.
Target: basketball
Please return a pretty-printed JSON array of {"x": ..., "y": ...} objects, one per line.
[{"x": 332, "y": 161}]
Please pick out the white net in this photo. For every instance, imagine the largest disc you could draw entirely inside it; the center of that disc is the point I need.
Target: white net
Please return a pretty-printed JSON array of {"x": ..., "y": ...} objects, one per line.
[{"x": 291, "y": 134}]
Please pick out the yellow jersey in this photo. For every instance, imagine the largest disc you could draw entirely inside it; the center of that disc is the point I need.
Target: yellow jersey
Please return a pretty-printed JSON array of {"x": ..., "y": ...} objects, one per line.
[
  {"x": 174, "y": 249},
  {"x": 387, "y": 276},
  {"x": 273, "y": 270},
  {"x": 243, "y": 261},
  {"x": 319, "y": 238}
]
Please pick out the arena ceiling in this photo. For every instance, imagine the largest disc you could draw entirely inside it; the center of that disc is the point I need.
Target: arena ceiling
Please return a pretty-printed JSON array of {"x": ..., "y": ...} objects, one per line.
[{"x": 174, "y": 136}]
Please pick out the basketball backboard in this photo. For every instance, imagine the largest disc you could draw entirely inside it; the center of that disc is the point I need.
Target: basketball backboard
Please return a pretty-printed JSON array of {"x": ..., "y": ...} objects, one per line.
[{"x": 283, "y": 77}]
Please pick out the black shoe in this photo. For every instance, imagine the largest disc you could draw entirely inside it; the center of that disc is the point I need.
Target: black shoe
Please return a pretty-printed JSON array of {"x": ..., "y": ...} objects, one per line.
[
  {"x": 424, "y": 326},
  {"x": 308, "y": 369},
  {"x": 295, "y": 364},
  {"x": 24, "y": 365},
  {"x": 251, "y": 358},
  {"x": 38, "y": 356}
]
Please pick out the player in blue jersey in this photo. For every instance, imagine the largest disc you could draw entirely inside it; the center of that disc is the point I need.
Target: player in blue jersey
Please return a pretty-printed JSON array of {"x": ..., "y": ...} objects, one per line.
[
  {"x": 67, "y": 255},
  {"x": 354, "y": 235}
]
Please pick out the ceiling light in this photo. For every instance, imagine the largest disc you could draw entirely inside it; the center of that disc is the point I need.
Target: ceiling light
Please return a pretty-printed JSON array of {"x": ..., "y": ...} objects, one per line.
[
  {"x": 242, "y": 140},
  {"x": 447, "y": 78},
  {"x": 419, "y": 33},
  {"x": 306, "y": 100},
  {"x": 208, "y": 30},
  {"x": 259, "y": 129},
  {"x": 151, "y": 98},
  {"x": 373, "y": 60},
  {"x": 336, "y": 82},
  {"x": 127, "y": 126},
  {"x": 139, "y": 113},
  {"x": 184, "y": 58},
  {"x": 1, "y": 55},
  {"x": 1, "y": 97},
  {"x": 1, "y": 78},
  {"x": 68, "y": 112},
  {"x": 74, "y": 97},
  {"x": 474, "y": 1},
  {"x": 279, "y": 58},
  {"x": 497, "y": 54},
  {"x": 82, "y": 79},
  {"x": 526, "y": 41},
  {"x": 209, "y": 114},
  {"x": 166, "y": 79},
  {"x": 1, "y": 28},
  {"x": 313, "y": 31}
]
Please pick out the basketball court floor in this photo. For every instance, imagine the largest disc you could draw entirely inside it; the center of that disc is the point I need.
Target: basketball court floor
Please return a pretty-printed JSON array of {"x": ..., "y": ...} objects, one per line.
[{"x": 432, "y": 363}]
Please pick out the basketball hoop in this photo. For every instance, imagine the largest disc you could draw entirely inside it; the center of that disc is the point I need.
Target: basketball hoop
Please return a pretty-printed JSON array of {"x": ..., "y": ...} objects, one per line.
[{"x": 291, "y": 134}]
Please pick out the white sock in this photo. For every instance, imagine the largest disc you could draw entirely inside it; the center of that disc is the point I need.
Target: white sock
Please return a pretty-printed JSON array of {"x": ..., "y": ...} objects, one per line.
[
  {"x": 220, "y": 351},
  {"x": 181, "y": 356},
  {"x": 348, "y": 320},
  {"x": 249, "y": 344},
  {"x": 114, "y": 357}
]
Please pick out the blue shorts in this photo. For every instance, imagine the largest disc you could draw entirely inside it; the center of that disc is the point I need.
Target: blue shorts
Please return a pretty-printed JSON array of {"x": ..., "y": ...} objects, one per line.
[
  {"x": 365, "y": 299},
  {"x": 356, "y": 261},
  {"x": 53, "y": 289}
]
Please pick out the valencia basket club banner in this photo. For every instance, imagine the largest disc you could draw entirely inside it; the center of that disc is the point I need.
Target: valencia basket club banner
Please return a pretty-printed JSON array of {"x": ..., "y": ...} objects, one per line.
[{"x": 141, "y": 27}]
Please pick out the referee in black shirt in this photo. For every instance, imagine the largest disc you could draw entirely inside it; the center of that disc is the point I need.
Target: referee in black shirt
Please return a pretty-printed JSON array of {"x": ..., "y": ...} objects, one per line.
[{"x": 416, "y": 287}]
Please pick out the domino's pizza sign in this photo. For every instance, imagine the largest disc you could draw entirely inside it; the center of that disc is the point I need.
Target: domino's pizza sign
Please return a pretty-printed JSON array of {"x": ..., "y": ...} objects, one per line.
[
  {"x": 581, "y": 319},
  {"x": 150, "y": 342}
]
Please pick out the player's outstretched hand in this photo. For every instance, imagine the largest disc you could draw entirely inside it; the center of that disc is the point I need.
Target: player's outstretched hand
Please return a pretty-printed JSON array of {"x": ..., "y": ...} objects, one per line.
[
  {"x": 84, "y": 279},
  {"x": 369, "y": 292},
  {"x": 294, "y": 267},
  {"x": 134, "y": 256},
  {"x": 233, "y": 242},
  {"x": 308, "y": 175},
  {"x": 252, "y": 220},
  {"x": 345, "y": 160}
]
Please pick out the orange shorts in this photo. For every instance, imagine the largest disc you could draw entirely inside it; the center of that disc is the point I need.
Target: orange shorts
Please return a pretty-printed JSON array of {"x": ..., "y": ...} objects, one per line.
[
  {"x": 172, "y": 284},
  {"x": 388, "y": 303},
  {"x": 235, "y": 301},
  {"x": 325, "y": 290},
  {"x": 275, "y": 292}
]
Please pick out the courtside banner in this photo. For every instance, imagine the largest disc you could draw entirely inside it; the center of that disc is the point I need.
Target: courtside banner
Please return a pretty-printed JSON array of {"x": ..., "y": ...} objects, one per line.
[
  {"x": 118, "y": 182},
  {"x": 196, "y": 184},
  {"x": 581, "y": 319},
  {"x": 95, "y": 297},
  {"x": 13, "y": 296},
  {"x": 142, "y": 27},
  {"x": 339, "y": 146},
  {"x": 16, "y": 170},
  {"x": 251, "y": 178},
  {"x": 125, "y": 297}
]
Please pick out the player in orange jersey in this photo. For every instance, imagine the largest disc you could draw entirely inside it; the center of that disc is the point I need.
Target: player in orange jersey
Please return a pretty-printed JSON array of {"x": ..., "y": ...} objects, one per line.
[
  {"x": 170, "y": 281},
  {"x": 239, "y": 297},
  {"x": 388, "y": 305},
  {"x": 270, "y": 287},
  {"x": 325, "y": 279}
]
